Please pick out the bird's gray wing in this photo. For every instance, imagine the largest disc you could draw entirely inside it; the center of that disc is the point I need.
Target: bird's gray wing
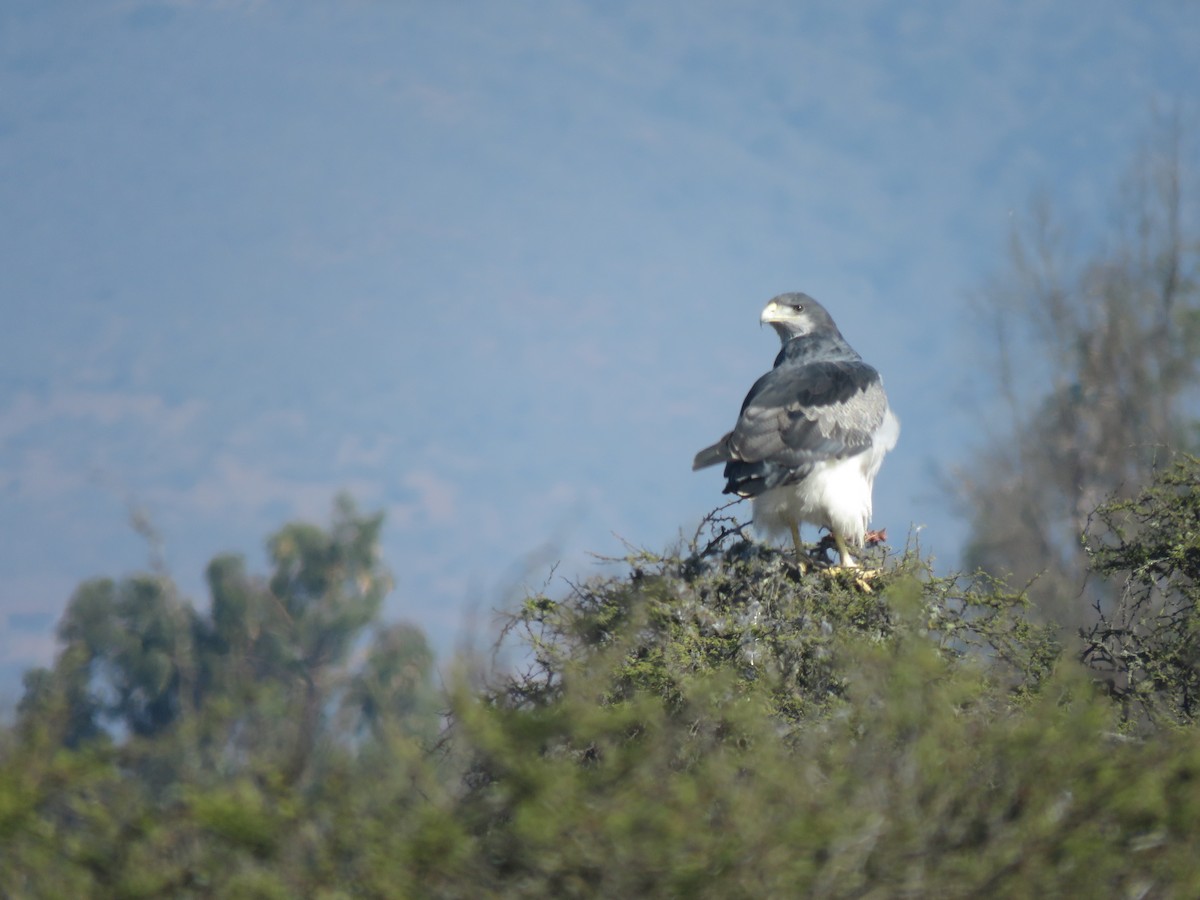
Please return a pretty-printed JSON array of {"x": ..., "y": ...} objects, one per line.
[{"x": 797, "y": 415}]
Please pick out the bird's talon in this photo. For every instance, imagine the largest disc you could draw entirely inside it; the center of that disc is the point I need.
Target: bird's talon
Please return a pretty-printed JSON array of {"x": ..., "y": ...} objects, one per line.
[
  {"x": 864, "y": 577},
  {"x": 861, "y": 578}
]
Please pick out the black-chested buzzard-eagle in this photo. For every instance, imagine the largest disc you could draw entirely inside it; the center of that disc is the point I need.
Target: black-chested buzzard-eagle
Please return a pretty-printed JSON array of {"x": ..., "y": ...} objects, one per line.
[{"x": 812, "y": 432}]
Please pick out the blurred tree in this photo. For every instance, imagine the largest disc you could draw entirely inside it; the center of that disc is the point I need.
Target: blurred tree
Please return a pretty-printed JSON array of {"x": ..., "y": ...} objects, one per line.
[
  {"x": 126, "y": 662},
  {"x": 169, "y": 749},
  {"x": 261, "y": 672},
  {"x": 391, "y": 690},
  {"x": 1094, "y": 378}
]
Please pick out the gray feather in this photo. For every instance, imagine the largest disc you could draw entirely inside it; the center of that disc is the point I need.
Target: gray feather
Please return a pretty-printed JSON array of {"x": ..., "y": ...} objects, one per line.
[{"x": 819, "y": 402}]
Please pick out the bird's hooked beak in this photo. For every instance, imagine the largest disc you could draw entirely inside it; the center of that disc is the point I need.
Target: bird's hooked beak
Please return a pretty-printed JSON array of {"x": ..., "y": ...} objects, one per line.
[
  {"x": 779, "y": 316},
  {"x": 788, "y": 319},
  {"x": 770, "y": 314}
]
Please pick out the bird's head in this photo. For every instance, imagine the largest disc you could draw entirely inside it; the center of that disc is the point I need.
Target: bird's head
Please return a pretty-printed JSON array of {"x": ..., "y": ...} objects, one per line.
[{"x": 795, "y": 315}]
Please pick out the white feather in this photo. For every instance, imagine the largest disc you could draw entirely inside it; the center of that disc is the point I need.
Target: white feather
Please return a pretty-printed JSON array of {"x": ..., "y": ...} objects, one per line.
[{"x": 836, "y": 494}]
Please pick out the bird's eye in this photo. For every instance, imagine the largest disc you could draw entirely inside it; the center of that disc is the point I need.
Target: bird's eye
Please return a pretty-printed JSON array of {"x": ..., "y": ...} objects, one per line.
[{"x": 797, "y": 307}]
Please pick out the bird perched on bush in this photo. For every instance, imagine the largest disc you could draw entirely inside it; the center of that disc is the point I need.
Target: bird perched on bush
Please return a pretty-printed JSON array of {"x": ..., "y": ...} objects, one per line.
[{"x": 812, "y": 432}]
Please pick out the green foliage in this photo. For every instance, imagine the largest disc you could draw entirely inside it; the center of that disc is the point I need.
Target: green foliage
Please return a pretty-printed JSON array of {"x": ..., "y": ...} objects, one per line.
[
  {"x": 708, "y": 723},
  {"x": 742, "y": 609},
  {"x": 1146, "y": 643},
  {"x": 926, "y": 783}
]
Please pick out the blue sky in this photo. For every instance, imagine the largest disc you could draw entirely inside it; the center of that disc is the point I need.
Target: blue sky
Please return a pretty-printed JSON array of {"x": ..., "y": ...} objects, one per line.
[{"x": 496, "y": 268}]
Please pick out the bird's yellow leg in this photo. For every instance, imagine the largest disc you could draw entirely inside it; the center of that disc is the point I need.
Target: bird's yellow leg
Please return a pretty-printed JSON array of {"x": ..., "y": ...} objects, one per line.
[
  {"x": 862, "y": 577},
  {"x": 799, "y": 551},
  {"x": 844, "y": 556}
]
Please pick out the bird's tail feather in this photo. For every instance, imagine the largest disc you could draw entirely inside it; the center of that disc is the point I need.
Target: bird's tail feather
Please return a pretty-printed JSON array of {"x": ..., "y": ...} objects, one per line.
[{"x": 710, "y": 456}]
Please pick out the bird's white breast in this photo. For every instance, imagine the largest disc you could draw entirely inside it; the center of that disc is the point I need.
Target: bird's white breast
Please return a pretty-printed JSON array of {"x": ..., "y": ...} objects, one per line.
[{"x": 836, "y": 494}]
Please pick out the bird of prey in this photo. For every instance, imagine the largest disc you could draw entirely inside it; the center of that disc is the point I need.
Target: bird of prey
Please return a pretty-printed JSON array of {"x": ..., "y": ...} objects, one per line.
[{"x": 812, "y": 432}]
